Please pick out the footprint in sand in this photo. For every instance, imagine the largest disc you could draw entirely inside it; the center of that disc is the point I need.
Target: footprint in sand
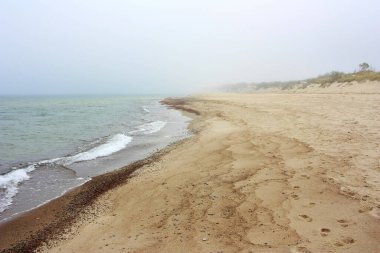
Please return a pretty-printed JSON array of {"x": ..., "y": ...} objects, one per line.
[
  {"x": 325, "y": 232},
  {"x": 343, "y": 223},
  {"x": 300, "y": 249},
  {"x": 305, "y": 217},
  {"x": 344, "y": 241},
  {"x": 295, "y": 196},
  {"x": 310, "y": 204}
]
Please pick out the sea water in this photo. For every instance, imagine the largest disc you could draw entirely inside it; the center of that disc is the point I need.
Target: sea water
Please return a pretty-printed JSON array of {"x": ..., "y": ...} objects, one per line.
[{"x": 49, "y": 145}]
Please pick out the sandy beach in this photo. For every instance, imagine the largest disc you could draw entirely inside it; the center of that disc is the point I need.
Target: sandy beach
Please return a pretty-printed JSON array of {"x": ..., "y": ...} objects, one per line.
[
  {"x": 190, "y": 126},
  {"x": 262, "y": 173}
]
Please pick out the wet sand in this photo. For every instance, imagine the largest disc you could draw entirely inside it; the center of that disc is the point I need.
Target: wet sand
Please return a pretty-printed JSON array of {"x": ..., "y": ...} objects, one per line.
[
  {"x": 262, "y": 173},
  {"x": 50, "y": 222}
]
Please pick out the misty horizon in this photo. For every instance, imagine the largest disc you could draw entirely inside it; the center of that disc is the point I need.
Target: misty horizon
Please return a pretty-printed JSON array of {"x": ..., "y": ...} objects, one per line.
[{"x": 169, "y": 47}]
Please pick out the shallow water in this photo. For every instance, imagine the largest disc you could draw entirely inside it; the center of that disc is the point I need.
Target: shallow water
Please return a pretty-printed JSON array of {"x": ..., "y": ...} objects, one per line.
[{"x": 51, "y": 144}]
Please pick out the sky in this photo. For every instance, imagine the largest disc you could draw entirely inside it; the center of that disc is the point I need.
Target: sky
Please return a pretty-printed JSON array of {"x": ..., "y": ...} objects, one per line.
[{"x": 174, "y": 46}]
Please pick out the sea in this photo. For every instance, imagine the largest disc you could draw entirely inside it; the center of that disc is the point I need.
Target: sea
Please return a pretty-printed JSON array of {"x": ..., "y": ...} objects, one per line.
[{"x": 51, "y": 144}]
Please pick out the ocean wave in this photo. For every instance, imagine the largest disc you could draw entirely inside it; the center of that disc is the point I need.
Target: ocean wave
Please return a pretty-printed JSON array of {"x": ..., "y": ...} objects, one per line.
[
  {"x": 9, "y": 185},
  {"x": 44, "y": 162},
  {"x": 149, "y": 128},
  {"x": 10, "y": 181},
  {"x": 114, "y": 144}
]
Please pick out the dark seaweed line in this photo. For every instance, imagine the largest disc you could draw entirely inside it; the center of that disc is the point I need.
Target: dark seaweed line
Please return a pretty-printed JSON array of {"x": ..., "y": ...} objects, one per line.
[{"x": 80, "y": 199}]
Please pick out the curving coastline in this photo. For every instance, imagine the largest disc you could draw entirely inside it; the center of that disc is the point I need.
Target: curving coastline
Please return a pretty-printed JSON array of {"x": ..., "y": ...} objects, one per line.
[
  {"x": 262, "y": 173},
  {"x": 30, "y": 230}
]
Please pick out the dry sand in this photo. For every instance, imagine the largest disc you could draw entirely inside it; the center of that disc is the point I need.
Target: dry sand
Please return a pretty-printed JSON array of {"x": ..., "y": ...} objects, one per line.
[{"x": 262, "y": 173}]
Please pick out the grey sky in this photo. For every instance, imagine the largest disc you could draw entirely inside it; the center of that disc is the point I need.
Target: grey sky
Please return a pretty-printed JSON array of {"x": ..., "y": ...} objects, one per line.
[{"x": 161, "y": 46}]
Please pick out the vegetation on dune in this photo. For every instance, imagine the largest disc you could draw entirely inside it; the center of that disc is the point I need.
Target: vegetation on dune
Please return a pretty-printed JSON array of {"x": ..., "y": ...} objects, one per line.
[{"x": 365, "y": 73}]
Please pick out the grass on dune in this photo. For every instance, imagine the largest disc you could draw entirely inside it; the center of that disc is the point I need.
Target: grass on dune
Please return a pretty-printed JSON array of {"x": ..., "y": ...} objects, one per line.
[
  {"x": 322, "y": 80},
  {"x": 340, "y": 77}
]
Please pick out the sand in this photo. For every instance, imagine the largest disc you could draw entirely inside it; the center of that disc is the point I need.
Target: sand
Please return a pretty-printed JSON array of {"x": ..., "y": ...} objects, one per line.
[{"x": 262, "y": 173}]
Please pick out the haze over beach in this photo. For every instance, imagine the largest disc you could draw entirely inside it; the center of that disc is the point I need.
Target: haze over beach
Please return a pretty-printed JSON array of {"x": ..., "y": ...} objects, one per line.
[
  {"x": 190, "y": 126},
  {"x": 134, "y": 47}
]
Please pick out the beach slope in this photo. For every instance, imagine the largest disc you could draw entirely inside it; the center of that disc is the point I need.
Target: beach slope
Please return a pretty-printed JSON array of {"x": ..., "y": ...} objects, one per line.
[{"x": 262, "y": 173}]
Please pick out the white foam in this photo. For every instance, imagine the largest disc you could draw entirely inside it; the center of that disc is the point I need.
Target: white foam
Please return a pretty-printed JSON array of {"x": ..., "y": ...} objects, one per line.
[
  {"x": 9, "y": 182},
  {"x": 145, "y": 109},
  {"x": 114, "y": 144},
  {"x": 9, "y": 185},
  {"x": 43, "y": 162},
  {"x": 149, "y": 128}
]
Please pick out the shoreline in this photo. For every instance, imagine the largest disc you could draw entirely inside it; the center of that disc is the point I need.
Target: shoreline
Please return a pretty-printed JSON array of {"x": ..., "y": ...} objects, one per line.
[
  {"x": 29, "y": 230},
  {"x": 262, "y": 173},
  {"x": 19, "y": 214},
  {"x": 131, "y": 135}
]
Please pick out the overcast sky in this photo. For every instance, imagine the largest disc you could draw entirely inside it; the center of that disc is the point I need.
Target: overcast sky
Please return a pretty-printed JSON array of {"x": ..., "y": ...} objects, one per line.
[{"x": 163, "y": 46}]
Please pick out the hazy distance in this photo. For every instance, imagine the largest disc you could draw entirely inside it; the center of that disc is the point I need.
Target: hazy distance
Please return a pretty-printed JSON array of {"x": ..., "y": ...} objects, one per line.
[{"x": 162, "y": 46}]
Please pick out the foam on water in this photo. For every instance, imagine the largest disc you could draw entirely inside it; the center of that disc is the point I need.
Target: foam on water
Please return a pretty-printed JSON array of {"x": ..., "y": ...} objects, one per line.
[
  {"x": 114, "y": 144},
  {"x": 149, "y": 128},
  {"x": 70, "y": 130},
  {"x": 145, "y": 109},
  {"x": 9, "y": 183}
]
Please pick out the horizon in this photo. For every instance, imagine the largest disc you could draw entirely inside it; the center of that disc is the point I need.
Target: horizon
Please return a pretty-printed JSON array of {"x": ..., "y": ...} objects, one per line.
[
  {"x": 96, "y": 94},
  {"x": 146, "y": 47}
]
